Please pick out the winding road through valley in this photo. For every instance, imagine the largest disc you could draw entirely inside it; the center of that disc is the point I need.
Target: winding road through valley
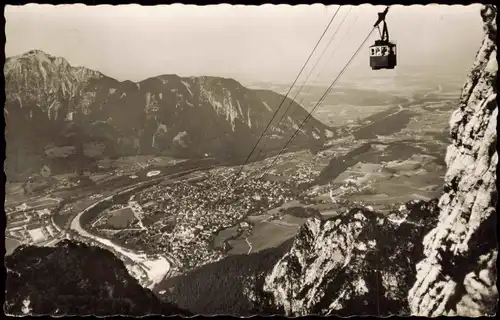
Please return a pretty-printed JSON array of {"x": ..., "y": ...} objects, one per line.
[{"x": 149, "y": 271}]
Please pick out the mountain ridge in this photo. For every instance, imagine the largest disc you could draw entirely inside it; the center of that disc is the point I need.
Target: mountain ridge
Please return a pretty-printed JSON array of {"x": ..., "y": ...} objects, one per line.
[{"x": 48, "y": 100}]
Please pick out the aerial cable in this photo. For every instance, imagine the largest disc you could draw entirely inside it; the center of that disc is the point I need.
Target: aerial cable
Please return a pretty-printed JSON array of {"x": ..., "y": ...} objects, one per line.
[
  {"x": 328, "y": 62},
  {"x": 331, "y": 57},
  {"x": 284, "y": 98},
  {"x": 349, "y": 30},
  {"x": 319, "y": 102},
  {"x": 307, "y": 78}
]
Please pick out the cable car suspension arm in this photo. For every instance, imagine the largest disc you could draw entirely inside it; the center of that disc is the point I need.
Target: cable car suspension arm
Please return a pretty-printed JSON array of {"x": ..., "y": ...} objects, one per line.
[{"x": 381, "y": 18}]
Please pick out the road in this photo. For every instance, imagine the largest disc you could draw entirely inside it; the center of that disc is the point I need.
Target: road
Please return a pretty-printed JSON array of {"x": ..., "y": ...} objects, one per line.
[
  {"x": 282, "y": 223},
  {"x": 137, "y": 210},
  {"x": 249, "y": 246}
]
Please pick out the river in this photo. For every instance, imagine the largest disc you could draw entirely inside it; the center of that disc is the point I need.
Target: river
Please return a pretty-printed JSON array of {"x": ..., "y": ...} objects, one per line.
[
  {"x": 154, "y": 269},
  {"x": 11, "y": 245}
]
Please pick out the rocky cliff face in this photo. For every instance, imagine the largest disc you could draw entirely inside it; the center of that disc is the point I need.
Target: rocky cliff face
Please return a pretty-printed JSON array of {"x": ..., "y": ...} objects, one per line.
[
  {"x": 458, "y": 274},
  {"x": 74, "y": 279},
  {"x": 51, "y": 105},
  {"x": 359, "y": 263}
]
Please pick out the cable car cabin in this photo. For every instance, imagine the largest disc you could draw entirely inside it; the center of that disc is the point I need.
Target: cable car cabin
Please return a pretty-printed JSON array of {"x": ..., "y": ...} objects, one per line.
[{"x": 383, "y": 55}]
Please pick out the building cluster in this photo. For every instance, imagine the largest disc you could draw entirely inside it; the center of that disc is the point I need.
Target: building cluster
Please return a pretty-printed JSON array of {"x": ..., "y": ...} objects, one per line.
[
  {"x": 31, "y": 225},
  {"x": 304, "y": 174},
  {"x": 191, "y": 213}
]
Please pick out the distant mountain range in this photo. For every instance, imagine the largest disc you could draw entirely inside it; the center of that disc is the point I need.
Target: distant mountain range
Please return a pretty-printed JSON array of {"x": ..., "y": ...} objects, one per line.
[{"x": 55, "y": 111}]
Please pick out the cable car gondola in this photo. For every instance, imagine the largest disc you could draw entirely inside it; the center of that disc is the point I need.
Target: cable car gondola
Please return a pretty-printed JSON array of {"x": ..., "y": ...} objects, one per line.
[{"x": 382, "y": 52}]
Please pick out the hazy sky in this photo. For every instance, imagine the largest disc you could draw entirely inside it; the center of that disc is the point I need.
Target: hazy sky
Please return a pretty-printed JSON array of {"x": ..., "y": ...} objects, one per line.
[{"x": 269, "y": 42}]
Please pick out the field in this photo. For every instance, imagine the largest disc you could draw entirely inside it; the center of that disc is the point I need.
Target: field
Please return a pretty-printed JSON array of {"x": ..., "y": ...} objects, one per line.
[
  {"x": 14, "y": 194},
  {"x": 269, "y": 230},
  {"x": 337, "y": 115},
  {"x": 224, "y": 235},
  {"x": 120, "y": 218},
  {"x": 268, "y": 234},
  {"x": 129, "y": 165}
]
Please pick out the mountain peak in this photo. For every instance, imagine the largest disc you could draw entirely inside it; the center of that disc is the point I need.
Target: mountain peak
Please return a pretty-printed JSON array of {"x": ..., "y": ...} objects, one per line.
[
  {"x": 37, "y": 57},
  {"x": 35, "y": 52},
  {"x": 38, "y": 54},
  {"x": 47, "y": 90}
]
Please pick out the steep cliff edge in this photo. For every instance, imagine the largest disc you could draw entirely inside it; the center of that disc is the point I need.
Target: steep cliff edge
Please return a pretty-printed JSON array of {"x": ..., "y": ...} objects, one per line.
[
  {"x": 361, "y": 263},
  {"x": 458, "y": 275}
]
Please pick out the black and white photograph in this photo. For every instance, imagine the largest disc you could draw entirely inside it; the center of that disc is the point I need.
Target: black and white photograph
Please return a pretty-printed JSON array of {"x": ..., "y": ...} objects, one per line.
[{"x": 273, "y": 159}]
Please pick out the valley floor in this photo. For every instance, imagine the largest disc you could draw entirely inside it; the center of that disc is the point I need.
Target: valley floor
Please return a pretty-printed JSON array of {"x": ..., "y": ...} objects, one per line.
[{"x": 186, "y": 215}]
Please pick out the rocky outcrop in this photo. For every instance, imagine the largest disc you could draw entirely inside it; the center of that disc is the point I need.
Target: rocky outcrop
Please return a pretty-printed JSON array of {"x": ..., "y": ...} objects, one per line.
[
  {"x": 359, "y": 263},
  {"x": 225, "y": 287},
  {"x": 51, "y": 106},
  {"x": 458, "y": 274},
  {"x": 75, "y": 279}
]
